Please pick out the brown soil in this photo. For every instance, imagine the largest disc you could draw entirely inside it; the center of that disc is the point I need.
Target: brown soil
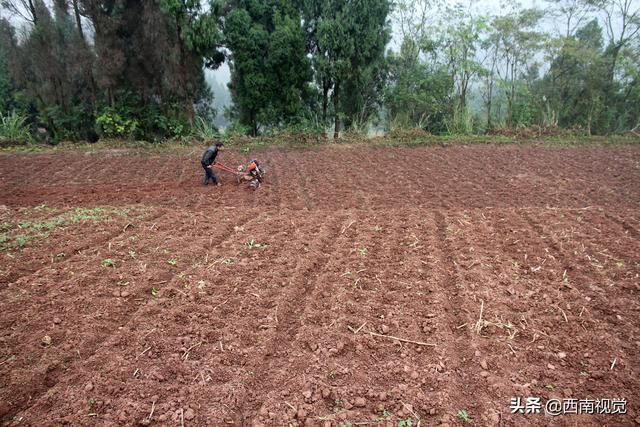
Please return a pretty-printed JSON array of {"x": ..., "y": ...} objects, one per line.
[{"x": 224, "y": 306}]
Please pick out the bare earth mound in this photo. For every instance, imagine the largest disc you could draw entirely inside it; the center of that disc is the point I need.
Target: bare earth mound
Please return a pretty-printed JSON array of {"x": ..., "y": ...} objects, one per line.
[{"x": 356, "y": 286}]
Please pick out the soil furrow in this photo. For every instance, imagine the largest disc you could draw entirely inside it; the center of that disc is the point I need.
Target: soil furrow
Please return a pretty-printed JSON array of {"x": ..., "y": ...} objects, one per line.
[
  {"x": 102, "y": 338},
  {"x": 289, "y": 320},
  {"x": 463, "y": 388}
]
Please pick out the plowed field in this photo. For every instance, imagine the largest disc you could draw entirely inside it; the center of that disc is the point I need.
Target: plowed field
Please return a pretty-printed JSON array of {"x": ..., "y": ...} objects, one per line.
[{"x": 356, "y": 286}]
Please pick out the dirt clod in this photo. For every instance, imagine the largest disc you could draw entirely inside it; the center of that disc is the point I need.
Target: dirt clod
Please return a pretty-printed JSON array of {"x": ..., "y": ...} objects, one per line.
[{"x": 189, "y": 414}]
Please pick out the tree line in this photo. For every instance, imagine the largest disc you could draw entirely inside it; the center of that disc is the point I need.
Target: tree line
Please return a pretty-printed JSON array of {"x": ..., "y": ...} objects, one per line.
[{"x": 86, "y": 69}]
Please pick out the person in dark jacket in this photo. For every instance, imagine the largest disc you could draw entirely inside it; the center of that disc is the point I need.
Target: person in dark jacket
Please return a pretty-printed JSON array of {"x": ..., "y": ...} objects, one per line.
[{"x": 208, "y": 159}]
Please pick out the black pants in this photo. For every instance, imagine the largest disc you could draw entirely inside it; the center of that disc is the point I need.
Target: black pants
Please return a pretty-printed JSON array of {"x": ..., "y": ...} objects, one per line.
[{"x": 209, "y": 175}]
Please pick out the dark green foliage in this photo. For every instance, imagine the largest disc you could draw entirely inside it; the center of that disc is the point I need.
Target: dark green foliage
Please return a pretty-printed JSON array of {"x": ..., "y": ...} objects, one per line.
[
  {"x": 83, "y": 69},
  {"x": 270, "y": 70},
  {"x": 418, "y": 94},
  {"x": 347, "y": 41},
  {"x": 8, "y": 45}
]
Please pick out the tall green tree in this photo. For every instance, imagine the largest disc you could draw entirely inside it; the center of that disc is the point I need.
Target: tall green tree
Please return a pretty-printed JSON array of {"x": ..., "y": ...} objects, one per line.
[
  {"x": 8, "y": 46},
  {"x": 462, "y": 41},
  {"x": 419, "y": 93},
  {"x": 199, "y": 39},
  {"x": 270, "y": 72},
  {"x": 518, "y": 41},
  {"x": 576, "y": 85},
  {"x": 349, "y": 40}
]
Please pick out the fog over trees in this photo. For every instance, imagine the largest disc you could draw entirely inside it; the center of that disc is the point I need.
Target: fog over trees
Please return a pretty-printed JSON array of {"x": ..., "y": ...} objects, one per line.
[{"x": 87, "y": 69}]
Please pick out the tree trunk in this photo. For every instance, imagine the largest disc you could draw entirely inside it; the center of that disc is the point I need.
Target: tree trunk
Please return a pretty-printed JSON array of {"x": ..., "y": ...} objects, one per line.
[
  {"x": 325, "y": 100},
  {"x": 511, "y": 97},
  {"x": 489, "y": 100},
  {"x": 463, "y": 94},
  {"x": 254, "y": 124},
  {"x": 190, "y": 112},
  {"x": 32, "y": 9},
  {"x": 336, "y": 92},
  {"x": 76, "y": 11},
  {"x": 614, "y": 60},
  {"x": 183, "y": 76}
]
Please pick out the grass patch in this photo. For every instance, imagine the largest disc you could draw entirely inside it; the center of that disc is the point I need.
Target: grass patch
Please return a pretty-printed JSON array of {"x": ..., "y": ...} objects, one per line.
[
  {"x": 296, "y": 140},
  {"x": 25, "y": 231}
]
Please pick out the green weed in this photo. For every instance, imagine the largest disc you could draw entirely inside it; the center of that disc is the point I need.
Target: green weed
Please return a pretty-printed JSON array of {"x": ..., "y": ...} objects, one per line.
[
  {"x": 205, "y": 130},
  {"x": 22, "y": 240},
  {"x": 463, "y": 415},
  {"x": 108, "y": 262},
  {"x": 253, "y": 244},
  {"x": 14, "y": 127}
]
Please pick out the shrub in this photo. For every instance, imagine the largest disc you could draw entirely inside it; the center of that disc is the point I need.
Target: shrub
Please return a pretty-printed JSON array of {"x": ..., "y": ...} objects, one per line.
[
  {"x": 203, "y": 129},
  {"x": 14, "y": 128},
  {"x": 113, "y": 125}
]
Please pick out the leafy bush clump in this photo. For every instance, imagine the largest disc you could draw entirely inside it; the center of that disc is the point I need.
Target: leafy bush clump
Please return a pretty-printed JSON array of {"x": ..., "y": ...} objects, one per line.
[
  {"x": 14, "y": 128},
  {"x": 114, "y": 125}
]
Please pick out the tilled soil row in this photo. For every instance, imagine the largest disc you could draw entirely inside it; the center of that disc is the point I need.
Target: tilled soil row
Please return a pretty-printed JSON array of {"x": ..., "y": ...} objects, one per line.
[
  {"x": 94, "y": 302},
  {"x": 473, "y": 176},
  {"x": 355, "y": 286}
]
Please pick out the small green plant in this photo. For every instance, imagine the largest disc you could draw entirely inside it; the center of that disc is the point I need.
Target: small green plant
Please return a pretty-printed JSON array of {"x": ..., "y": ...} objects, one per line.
[
  {"x": 338, "y": 403},
  {"x": 14, "y": 127},
  {"x": 60, "y": 255},
  {"x": 108, "y": 262},
  {"x": 155, "y": 292},
  {"x": 346, "y": 423},
  {"x": 113, "y": 125},
  {"x": 463, "y": 415},
  {"x": 378, "y": 228},
  {"x": 132, "y": 253},
  {"x": 408, "y": 422},
  {"x": 253, "y": 244},
  {"x": 25, "y": 224},
  {"x": 173, "y": 262},
  {"x": 550, "y": 387},
  {"x": 228, "y": 261},
  {"x": 414, "y": 244},
  {"x": 385, "y": 414},
  {"x": 362, "y": 250},
  {"x": 22, "y": 240}
]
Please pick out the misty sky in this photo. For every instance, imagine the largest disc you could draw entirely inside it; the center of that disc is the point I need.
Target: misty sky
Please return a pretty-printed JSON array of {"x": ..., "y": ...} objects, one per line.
[{"x": 493, "y": 7}]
